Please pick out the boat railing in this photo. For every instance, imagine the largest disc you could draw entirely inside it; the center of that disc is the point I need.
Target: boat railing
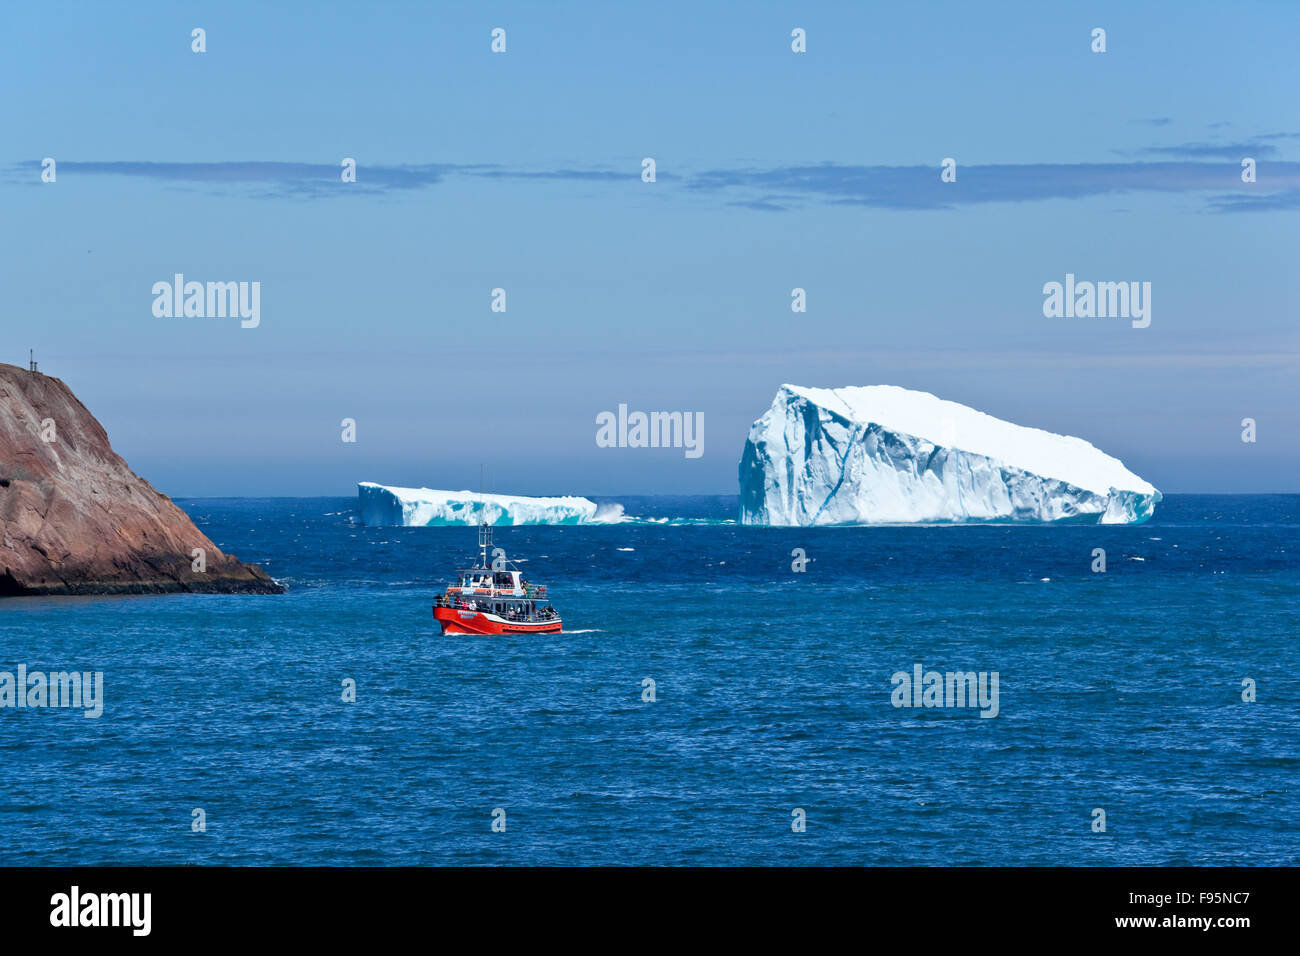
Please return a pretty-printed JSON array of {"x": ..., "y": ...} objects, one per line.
[
  {"x": 540, "y": 614},
  {"x": 533, "y": 592},
  {"x": 529, "y": 591}
]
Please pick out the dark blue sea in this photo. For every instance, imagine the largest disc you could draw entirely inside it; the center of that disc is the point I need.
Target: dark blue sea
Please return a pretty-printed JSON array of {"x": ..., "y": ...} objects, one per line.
[{"x": 1119, "y": 690}]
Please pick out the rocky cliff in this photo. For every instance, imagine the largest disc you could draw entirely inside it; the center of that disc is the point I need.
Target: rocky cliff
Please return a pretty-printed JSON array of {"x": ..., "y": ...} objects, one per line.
[{"x": 74, "y": 519}]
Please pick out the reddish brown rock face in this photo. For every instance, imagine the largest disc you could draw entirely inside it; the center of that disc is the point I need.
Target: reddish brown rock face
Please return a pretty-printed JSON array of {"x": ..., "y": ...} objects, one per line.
[{"x": 74, "y": 519}]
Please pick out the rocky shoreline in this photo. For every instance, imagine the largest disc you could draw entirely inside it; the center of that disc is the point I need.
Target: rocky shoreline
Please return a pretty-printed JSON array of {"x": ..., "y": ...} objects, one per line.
[{"x": 75, "y": 519}]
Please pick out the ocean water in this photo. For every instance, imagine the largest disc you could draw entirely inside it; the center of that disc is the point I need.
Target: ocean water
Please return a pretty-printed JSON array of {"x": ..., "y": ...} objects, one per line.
[{"x": 1119, "y": 690}]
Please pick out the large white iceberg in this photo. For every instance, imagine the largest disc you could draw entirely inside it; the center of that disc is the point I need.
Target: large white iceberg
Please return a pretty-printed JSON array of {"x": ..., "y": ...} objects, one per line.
[
  {"x": 884, "y": 454},
  {"x": 417, "y": 507}
]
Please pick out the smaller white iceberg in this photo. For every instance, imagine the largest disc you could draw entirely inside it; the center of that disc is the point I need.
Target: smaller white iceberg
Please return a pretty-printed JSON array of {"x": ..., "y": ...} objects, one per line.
[{"x": 382, "y": 506}]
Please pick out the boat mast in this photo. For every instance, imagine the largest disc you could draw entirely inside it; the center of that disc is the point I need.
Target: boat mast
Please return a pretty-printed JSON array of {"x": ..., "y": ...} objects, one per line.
[{"x": 484, "y": 529}]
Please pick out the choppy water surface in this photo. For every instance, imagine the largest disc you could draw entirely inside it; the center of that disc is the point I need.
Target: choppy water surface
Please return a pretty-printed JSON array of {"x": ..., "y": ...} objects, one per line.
[{"x": 1118, "y": 690}]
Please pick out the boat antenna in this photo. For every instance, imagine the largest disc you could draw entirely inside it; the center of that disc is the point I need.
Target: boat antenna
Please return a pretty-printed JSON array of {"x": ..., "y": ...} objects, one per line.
[{"x": 484, "y": 529}]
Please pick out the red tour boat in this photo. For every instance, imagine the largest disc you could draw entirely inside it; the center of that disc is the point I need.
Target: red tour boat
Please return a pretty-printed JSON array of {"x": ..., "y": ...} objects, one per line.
[{"x": 494, "y": 598}]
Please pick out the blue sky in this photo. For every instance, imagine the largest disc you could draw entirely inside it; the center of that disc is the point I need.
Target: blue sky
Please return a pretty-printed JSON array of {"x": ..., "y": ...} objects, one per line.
[{"x": 775, "y": 170}]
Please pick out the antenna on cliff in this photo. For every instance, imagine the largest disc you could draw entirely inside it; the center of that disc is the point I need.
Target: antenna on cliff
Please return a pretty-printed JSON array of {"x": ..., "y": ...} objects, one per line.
[{"x": 31, "y": 360}]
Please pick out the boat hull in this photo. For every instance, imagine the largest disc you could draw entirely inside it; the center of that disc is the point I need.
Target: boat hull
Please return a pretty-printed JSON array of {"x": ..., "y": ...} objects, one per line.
[{"x": 458, "y": 621}]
